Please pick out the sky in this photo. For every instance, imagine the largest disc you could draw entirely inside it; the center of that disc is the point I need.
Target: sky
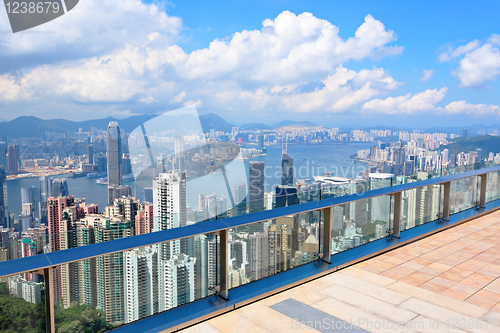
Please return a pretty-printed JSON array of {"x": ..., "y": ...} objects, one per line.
[{"x": 392, "y": 63}]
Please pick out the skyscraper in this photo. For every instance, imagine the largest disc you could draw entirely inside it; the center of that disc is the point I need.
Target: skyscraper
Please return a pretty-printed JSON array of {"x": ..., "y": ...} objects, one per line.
[
  {"x": 240, "y": 199},
  {"x": 45, "y": 188},
  {"x": 13, "y": 158},
  {"x": 256, "y": 186},
  {"x": 287, "y": 170},
  {"x": 3, "y": 154},
  {"x": 114, "y": 157},
  {"x": 90, "y": 154},
  {"x": 4, "y": 206},
  {"x": 59, "y": 188},
  {"x": 31, "y": 195},
  {"x": 179, "y": 154}
]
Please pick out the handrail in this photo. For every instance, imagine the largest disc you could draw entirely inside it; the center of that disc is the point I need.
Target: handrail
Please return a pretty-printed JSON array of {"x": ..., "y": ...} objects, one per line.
[{"x": 52, "y": 259}]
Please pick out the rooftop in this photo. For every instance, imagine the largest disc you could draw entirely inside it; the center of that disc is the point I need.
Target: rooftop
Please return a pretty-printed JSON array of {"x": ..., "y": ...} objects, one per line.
[{"x": 447, "y": 282}]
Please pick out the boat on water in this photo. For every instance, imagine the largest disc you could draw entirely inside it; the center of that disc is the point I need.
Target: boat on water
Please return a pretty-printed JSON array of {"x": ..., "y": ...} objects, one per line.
[
  {"x": 125, "y": 178},
  {"x": 77, "y": 174},
  {"x": 94, "y": 175},
  {"x": 330, "y": 180},
  {"x": 102, "y": 181}
]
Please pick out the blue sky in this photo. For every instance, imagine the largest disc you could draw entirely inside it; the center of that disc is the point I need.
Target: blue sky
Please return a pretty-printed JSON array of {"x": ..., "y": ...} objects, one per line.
[{"x": 260, "y": 61}]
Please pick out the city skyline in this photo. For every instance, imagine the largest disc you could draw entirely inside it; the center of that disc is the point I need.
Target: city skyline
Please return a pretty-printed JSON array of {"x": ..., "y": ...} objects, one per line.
[{"x": 371, "y": 64}]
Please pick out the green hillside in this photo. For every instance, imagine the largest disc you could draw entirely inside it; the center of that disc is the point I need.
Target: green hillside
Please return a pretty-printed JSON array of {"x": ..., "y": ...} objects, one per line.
[{"x": 488, "y": 143}]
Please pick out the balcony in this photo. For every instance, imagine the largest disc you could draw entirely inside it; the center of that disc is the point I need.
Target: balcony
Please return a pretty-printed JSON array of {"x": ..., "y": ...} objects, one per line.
[
  {"x": 399, "y": 271},
  {"x": 447, "y": 282}
]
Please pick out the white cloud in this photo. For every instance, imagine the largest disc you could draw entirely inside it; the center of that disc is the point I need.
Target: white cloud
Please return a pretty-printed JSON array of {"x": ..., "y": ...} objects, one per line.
[
  {"x": 290, "y": 49},
  {"x": 451, "y": 54},
  {"x": 93, "y": 27},
  {"x": 197, "y": 103},
  {"x": 342, "y": 90},
  {"x": 464, "y": 107},
  {"x": 479, "y": 66},
  {"x": 494, "y": 39},
  {"x": 123, "y": 114},
  {"x": 265, "y": 69},
  {"x": 179, "y": 98},
  {"x": 408, "y": 104},
  {"x": 478, "y": 63},
  {"x": 428, "y": 73},
  {"x": 147, "y": 100}
]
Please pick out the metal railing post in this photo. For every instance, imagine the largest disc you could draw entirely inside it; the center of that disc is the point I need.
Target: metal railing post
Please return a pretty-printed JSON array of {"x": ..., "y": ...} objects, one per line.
[
  {"x": 446, "y": 201},
  {"x": 50, "y": 325},
  {"x": 224, "y": 264},
  {"x": 396, "y": 227},
  {"x": 327, "y": 234},
  {"x": 482, "y": 197}
]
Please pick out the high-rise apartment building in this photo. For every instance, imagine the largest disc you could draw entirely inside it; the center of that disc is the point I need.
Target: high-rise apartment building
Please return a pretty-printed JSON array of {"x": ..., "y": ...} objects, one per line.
[
  {"x": 141, "y": 283},
  {"x": 258, "y": 255},
  {"x": 144, "y": 219},
  {"x": 114, "y": 158},
  {"x": 177, "y": 282},
  {"x": 169, "y": 204}
]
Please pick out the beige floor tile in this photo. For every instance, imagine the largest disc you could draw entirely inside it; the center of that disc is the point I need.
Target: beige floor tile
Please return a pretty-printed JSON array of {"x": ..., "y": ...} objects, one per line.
[
  {"x": 444, "y": 315},
  {"x": 460, "y": 291},
  {"x": 484, "y": 298},
  {"x": 397, "y": 272},
  {"x": 367, "y": 276},
  {"x": 204, "y": 327},
  {"x": 443, "y": 282},
  {"x": 439, "y": 299},
  {"x": 269, "y": 319},
  {"x": 416, "y": 278},
  {"x": 357, "y": 316},
  {"x": 369, "y": 289},
  {"x": 370, "y": 304},
  {"x": 477, "y": 280},
  {"x": 424, "y": 324}
]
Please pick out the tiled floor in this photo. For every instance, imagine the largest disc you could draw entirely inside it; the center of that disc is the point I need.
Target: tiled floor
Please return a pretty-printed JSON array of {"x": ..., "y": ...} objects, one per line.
[{"x": 449, "y": 282}]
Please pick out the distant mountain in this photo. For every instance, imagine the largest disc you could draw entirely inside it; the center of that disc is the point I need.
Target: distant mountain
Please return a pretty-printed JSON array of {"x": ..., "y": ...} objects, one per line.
[
  {"x": 33, "y": 127},
  {"x": 212, "y": 121},
  {"x": 255, "y": 127},
  {"x": 472, "y": 130},
  {"x": 383, "y": 128},
  {"x": 488, "y": 143},
  {"x": 284, "y": 123},
  {"x": 290, "y": 123}
]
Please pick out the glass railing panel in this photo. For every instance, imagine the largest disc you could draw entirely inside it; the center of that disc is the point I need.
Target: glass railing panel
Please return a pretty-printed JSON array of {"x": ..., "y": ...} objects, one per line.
[
  {"x": 22, "y": 303},
  {"x": 493, "y": 186},
  {"x": 114, "y": 289},
  {"x": 360, "y": 222},
  {"x": 420, "y": 205},
  {"x": 463, "y": 194},
  {"x": 263, "y": 249}
]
